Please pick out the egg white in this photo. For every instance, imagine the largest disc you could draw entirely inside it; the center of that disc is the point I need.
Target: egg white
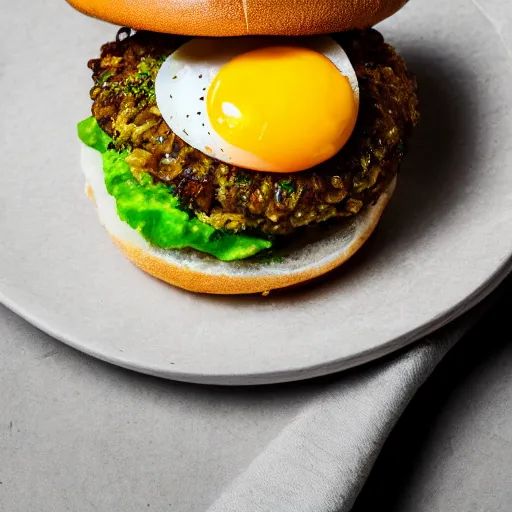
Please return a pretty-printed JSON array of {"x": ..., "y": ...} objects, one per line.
[{"x": 184, "y": 79}]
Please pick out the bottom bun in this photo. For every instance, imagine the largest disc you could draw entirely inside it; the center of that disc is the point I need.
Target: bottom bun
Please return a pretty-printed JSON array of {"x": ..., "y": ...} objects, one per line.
[{"x": 199, "y": 272}]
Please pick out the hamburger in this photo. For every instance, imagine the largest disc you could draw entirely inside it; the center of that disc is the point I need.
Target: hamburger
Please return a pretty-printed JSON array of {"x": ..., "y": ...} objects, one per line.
[{"x": 242, "y": 147}]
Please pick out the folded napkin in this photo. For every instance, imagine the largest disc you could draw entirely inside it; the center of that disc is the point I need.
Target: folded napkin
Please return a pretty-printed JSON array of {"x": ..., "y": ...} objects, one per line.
[{"x": 321, "y": 460}]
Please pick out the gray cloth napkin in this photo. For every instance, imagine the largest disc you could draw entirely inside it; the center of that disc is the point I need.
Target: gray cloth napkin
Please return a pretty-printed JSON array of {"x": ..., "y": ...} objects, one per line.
[{"x": 321, "y": 460}]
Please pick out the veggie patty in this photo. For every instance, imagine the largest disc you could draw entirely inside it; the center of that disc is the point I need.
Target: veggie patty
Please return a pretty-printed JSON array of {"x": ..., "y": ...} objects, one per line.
[{"x": 234, "y": 199}]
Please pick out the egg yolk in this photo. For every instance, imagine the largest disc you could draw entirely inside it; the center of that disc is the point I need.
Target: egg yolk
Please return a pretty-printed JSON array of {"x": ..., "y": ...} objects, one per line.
[{"x": 289, "y": 106}]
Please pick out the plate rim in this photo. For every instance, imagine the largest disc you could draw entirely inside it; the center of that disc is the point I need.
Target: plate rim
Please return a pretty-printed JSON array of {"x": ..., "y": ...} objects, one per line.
[{"x": 290, "y": 375}]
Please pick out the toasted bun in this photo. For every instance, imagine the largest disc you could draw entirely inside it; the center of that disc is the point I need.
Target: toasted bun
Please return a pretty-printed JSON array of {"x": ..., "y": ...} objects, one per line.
[
  {"x": 202, "y": 273},
  {"x": 241, "y": 17}
]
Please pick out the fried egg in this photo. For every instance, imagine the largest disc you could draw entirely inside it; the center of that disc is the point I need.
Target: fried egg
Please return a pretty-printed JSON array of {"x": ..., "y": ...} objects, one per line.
[{"x": 266, "y": 104}]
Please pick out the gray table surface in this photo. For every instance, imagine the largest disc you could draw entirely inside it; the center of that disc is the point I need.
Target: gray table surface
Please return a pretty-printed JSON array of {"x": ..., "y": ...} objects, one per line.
[{"x": 77, "y": 434}]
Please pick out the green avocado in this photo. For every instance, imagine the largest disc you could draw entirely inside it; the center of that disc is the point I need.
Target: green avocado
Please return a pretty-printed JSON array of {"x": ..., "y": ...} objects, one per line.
[{"x": 152, "y": 209}]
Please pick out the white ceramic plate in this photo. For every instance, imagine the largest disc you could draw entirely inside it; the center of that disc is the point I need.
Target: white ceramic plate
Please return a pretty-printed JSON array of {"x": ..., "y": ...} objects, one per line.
[{"x": 444, "y": 241}]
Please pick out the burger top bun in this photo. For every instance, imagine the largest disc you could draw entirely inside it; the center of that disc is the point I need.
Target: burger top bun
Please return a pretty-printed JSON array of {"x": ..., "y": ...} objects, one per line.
[{"x": 241, "y": 17}]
